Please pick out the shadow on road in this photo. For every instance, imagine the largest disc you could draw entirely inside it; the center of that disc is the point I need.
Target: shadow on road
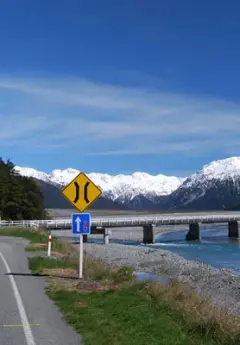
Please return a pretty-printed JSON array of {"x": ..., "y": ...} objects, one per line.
[{"x": 40, "y": 275}]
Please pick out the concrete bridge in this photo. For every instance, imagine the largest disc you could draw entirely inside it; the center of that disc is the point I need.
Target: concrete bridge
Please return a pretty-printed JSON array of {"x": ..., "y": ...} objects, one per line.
[
  {"x": 149, "y": 222},
  {"x": 101, "y": 225}
]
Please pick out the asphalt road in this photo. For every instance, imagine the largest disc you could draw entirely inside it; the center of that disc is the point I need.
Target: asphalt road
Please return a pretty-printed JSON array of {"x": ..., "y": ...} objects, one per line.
[{"x": 27, "y": 315}]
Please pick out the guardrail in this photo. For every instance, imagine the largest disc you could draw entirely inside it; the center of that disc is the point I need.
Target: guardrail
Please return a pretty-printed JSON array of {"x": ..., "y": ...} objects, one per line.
[
  {"x": 124, "y": 221},
  {"x": 20, "y": 223}
]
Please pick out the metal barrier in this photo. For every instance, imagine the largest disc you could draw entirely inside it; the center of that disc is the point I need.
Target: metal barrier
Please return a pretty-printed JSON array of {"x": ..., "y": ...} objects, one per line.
[{"x": 124, "y": 221}]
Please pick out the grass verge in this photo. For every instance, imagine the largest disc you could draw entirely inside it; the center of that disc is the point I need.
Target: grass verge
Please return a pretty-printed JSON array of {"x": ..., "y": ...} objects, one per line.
[
  {"x": 30, "y": 235},
  {"x": 109, "y": 307},
  {"x": 115, "y": 309},
  {"x": 38, "y": 240}
]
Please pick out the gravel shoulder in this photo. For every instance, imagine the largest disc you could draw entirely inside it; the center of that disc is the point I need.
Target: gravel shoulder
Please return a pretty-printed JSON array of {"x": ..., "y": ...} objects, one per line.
[{"x": 221, "y": 285}]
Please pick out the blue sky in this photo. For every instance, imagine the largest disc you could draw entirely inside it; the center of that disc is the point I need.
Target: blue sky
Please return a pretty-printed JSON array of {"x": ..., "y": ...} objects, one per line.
[{"x": 119, "y": 86}]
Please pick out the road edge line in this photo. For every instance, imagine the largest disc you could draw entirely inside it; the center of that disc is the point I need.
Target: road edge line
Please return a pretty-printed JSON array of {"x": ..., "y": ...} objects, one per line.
[{"x": 22, "y": 312}]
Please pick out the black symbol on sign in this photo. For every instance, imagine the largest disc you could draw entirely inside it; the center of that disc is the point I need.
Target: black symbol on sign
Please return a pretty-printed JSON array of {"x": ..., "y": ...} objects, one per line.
[
  {"x": 86, "y": 192},
  {"x": 78, "y": 192}
]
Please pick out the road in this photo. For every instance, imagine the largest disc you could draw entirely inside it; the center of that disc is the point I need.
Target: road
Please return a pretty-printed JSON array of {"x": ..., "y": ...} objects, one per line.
[{"x": 27, "y": 315}]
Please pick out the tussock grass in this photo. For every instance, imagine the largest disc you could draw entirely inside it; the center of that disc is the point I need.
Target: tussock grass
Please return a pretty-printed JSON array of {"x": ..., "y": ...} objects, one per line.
[
  {"x": 120, "y": 317},
  {"x": 198, "y": 312},
  {"x": 96, "y": 269}
]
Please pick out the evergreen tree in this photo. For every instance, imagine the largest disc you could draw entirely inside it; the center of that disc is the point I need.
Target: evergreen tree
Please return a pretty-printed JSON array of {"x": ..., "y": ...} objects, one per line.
[{"x": 20, "y": 197}]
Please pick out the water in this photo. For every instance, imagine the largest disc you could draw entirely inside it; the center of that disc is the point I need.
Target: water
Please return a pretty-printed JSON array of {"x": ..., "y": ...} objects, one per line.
[
  {"x": 143, "y": 276},
  {"x": 215, "y": 248}
]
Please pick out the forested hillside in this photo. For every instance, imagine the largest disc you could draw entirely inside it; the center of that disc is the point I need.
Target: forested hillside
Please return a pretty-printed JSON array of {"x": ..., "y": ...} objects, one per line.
[{"x": 20, "y": 197}]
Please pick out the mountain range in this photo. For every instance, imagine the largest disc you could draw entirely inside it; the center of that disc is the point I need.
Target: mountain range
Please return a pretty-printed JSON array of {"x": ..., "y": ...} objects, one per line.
[{"x": 216, "y": 186}]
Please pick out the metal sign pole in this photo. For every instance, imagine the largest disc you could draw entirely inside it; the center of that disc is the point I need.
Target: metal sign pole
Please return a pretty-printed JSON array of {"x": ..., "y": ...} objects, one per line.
[{"x": 81, "y": 257}]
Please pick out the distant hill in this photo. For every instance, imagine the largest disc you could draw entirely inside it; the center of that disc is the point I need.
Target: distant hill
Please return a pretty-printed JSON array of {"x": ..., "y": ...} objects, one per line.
[
  {"x": 53, "y": 198},
  {"x": 234, "y": 208},
  {"x": 215, "y": 187}
]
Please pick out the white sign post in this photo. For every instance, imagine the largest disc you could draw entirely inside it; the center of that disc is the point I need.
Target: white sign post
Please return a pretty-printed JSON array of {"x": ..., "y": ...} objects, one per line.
[
  {"x": 81, "y": 225},
  {"x": 81, "y": 257}
]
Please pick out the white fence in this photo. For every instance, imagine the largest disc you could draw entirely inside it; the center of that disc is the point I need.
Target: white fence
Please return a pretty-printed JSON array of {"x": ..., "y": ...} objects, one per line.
[{"x": 20, "y": 223}]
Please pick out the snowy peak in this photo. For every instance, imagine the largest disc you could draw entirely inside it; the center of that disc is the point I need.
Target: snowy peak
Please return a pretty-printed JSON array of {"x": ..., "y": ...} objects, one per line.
[
  {"x": 210, "y": 186},
  {"x": 117, "y": 187},
  {"x": 30, "y": 172},
  {"x": 222, "y": 169},
  {"x": 63, "y": 177},
  {"x": 124, "y": 188},
  {"x": 215, "y": 186},
  {"x": 217, "y": 170}
]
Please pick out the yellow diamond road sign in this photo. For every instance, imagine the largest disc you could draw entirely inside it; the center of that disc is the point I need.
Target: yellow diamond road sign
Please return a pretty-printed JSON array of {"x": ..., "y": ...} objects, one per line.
[{"x": 81, "y": 192}]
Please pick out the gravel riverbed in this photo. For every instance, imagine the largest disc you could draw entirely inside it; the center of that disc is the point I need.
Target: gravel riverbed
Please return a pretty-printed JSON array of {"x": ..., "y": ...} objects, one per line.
[{"x": 222, "y": 285}]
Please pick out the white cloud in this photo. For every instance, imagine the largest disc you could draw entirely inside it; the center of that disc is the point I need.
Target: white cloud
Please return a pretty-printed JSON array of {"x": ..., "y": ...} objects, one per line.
[{"x": 112, "y": 120}]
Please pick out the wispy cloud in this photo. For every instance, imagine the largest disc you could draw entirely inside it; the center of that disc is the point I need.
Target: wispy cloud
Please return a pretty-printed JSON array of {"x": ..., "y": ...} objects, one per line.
[{"x": 53, "y": 114}]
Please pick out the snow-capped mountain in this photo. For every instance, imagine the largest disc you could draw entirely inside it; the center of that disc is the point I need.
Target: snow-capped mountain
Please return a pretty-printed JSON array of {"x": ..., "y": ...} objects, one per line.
[
  {"x": 116, "y": 187},
  {"x": 215, "y": 186}
]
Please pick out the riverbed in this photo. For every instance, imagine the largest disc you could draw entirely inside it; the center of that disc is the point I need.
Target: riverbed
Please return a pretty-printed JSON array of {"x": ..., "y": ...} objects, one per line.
[{"x": 170, "y": 256}]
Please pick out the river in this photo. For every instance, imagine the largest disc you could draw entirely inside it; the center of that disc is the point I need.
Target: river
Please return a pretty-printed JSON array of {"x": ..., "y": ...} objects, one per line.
[{"x": 215, "y": 248}]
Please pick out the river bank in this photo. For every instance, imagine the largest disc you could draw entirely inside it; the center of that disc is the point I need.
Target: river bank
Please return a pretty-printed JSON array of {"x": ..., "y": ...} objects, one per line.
[{"x": 221, "y": 285}]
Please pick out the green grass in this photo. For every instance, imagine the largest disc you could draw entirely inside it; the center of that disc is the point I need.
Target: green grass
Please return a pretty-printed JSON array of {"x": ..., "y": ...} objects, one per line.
[
  {"x": 38, "y": 264},
  {"x": 124, "y": 317},
  {"x": 136, "y": 314},
  {"x": 35, "y": 237},
  {"x": 32, "y": 249},
  {"x": 32, "y": 236}
]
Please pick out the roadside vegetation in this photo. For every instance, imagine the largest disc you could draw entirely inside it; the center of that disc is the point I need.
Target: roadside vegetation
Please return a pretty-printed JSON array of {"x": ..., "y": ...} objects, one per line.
[
  {"x": 38, "y": 239},
  {"x": 109, "y": 306},
  {"x": 20, "y": 197}
]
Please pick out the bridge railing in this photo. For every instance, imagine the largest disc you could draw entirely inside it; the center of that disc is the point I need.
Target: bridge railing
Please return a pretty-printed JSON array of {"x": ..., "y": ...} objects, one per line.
[{"x": 124, "y": 221}]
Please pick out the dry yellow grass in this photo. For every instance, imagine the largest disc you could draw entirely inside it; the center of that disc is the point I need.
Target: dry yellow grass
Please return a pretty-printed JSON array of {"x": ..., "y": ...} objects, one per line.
[{"x": 196, "y": 310}]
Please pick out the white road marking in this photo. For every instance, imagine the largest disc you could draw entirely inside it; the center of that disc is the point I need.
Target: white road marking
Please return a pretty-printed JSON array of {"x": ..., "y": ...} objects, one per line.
[
  {"x": 34, "y": 324},
  {"x": 24, "y": 319}
]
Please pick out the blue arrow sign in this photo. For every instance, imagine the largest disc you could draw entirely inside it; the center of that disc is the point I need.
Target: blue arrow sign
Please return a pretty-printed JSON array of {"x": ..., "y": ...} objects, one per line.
[{"x": 81, "y": 223}]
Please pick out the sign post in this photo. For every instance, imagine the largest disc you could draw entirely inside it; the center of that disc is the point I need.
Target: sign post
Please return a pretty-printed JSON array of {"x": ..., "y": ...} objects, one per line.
[
  {"x": 81, "y": 192},
  {"x": 81, "y": 257},
  {"x": 81, "y": 225}
]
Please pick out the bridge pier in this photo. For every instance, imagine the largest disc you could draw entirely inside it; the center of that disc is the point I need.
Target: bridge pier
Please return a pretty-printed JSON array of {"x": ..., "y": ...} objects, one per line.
[
  {"x": 85, "y": 238},
  {"x": 233, "y": 229},
  {"x": 148, "y": 234},
  {"x": 105, "y": 232},
  {"x": 94, "y": 230},
  {"x": 193, "y": 233},
  {"x": 106, "y": 236}
]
